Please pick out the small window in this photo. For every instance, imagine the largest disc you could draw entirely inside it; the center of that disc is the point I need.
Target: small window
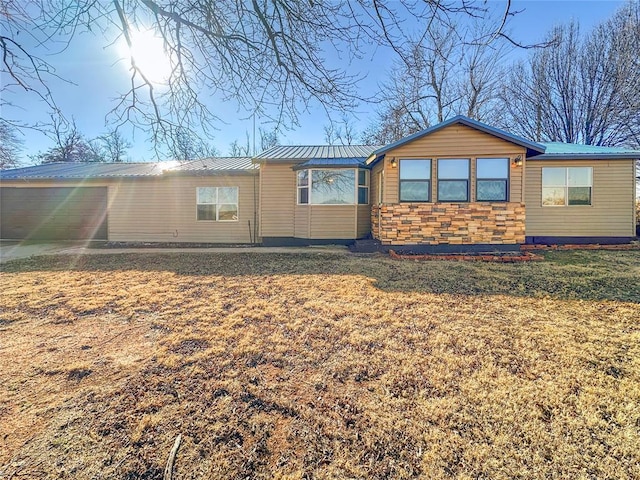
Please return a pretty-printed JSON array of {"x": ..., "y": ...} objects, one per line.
[
  {"x": 415, "y": 180},
  {"x": 492, "y": 179},
  {"x": 453, "y": 180},
  {"x": 363, "y": 187},
  {"x": 303, "y": 187},
  {"x": 217, "y": 204},
  {"x": 562, "y": 186}
]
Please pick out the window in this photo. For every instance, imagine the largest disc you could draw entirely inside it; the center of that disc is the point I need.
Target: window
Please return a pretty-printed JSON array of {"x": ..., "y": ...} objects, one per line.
[
  {"x": 453, "y": 180},
  {"x": 363, "y": 187},
  {"x": 415, "y": 180},
  {"x": 303, "y": 186},
  {"x": 492, "y": 179},
  {"x": 218, "y": 204},
  {"x": 566, "y": 186},
  {"x": 333, "y": 187}
]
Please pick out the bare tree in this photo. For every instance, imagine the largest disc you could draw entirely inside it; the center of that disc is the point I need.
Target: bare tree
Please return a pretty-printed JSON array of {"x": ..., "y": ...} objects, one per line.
[
  {"x": 10, "y": 146},
  {"x": 342, "y": 132},
  {"x": 266, "y": 55},
  {"x": 69, "y": 145},
  {"x": 115, "y": 146},
  {"x": 268, "y": 138},
  {"x": 236, "y": 149},
  {"x": 441, "y": 74},
  {"x": 186, "y": 147},
  {"x": 583, "y": 88}
]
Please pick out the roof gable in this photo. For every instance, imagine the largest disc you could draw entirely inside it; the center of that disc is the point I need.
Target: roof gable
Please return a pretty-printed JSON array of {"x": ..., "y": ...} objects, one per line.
[{"x": 535, "y": 148}]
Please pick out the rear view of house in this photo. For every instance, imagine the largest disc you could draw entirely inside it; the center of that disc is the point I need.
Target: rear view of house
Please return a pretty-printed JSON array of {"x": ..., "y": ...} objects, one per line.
[{"x": 460, "y": 184}]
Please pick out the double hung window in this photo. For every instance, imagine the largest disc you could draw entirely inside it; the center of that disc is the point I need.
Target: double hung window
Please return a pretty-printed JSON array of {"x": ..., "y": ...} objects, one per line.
[
  {"x": 415, "y": 180},
  {"x": 492, "y": 179},
  {"x": 453, "y": 180}
]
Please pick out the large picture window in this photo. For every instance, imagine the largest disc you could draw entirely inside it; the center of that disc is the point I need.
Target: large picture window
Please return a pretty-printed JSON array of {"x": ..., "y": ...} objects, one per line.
[
  {"x": 333, "y": 186},
  {"x": 453, "y": 180},
  {"x": 492, "y": 179},
  {"x": 566, "y": 186},
  {"x": 415, "y": 180},
  {"x": 217, "y": 204}
]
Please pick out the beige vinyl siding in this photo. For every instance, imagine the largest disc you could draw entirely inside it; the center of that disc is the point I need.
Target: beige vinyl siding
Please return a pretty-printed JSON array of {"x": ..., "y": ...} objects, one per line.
[
  {"x": 281, "y": 216},
  {"x": 455, "y": 141},
  {"x": 363, "y": 221},
  {"x": 302, "y": 219},
  {"x": 516, "y": 181},
  {"x": 375, "y": 188},
  {"x": 277, "y": 200},
  {"x": 164, "y": 209},
  {"x": 333, "y": 221},
  {"x": 609, "y": 215}
]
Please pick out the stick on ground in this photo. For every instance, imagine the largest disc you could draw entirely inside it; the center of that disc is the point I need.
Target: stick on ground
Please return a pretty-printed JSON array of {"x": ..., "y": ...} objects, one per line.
[{"x": 168, "y": 469}]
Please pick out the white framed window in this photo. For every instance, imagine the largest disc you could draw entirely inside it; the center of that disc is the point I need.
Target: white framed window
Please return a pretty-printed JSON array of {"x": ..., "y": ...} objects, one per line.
[
  {"x": 415, "y": 180},
  {"x": 453, "y": 179},
  {"x": 566, "y": 186},
  {"x": 303, "y": 187},
  {"x": 323, "y": 186},
  {"x": 492, "y": 179},
  {"x": 363, "y": 187},
  {"x": 217, "y": 204}
]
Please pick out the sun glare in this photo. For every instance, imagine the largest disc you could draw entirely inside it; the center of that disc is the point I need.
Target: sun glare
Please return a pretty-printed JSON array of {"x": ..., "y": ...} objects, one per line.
[{"x": 149, "y": 54}]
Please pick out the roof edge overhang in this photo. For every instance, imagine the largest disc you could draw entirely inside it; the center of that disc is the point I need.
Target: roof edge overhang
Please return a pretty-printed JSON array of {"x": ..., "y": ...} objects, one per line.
[
  {"x": 165, "y": 174},
  {"x": 343, "y": 162},
  {"x": 211, "y": 173},
  {"x": 258, "y": 161},
  {"x": 462, "y": 120},
  {"x": 584, "y": 156}
]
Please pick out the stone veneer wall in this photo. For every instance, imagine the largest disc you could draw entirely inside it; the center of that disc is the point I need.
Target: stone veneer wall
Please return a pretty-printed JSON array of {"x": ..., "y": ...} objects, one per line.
[{"x": 448, "y": 223}]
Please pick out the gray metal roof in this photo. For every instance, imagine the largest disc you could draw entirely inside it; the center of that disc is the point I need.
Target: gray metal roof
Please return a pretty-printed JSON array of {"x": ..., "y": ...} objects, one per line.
[
  {"x": 352, "y": 162},
  {"x": 218, "y": 164},
  {"x": 85, "y": 170},
  {"x": 71, "y": 171},
  {"x": 305, "y": 152}
]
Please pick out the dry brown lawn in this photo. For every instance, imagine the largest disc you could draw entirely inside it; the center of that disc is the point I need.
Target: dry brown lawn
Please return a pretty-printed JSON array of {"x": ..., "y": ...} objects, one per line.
[{"x": 320, "y": 366}]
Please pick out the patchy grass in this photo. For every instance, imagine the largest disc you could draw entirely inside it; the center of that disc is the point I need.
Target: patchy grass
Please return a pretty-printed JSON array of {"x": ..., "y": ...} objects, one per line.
[{"x": 320, "y": 366}]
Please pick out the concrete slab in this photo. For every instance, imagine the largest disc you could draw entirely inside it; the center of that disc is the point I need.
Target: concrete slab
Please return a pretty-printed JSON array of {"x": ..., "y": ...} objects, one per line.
[{"x": 14, "y": 251}]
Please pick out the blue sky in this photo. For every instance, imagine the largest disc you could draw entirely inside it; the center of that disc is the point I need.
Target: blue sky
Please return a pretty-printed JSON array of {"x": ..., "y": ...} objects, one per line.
[{"x": 98, "y": 75}]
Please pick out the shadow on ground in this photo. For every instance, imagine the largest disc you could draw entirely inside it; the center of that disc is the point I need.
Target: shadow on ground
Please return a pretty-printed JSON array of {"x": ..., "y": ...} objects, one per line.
[{"x": 588, "y": 275}]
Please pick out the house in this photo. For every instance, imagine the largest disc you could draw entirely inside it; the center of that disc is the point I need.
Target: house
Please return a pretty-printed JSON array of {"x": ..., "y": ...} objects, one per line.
[{"x": 459, "y": 184}]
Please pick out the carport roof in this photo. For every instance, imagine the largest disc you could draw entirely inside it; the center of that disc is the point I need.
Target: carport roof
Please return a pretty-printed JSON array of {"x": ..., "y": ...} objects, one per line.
[{"x": 63, "y": 171}]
